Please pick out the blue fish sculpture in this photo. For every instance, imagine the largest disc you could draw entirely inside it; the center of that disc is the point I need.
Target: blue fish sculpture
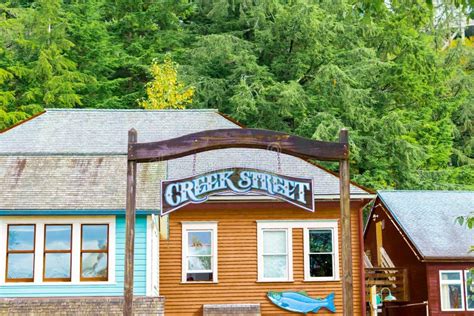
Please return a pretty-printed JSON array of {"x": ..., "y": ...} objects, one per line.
[{"x": 300, "y": 302}]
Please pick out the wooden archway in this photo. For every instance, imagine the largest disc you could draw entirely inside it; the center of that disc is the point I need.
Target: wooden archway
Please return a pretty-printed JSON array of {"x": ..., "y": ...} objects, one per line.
[{"x": 239, "y": 138}]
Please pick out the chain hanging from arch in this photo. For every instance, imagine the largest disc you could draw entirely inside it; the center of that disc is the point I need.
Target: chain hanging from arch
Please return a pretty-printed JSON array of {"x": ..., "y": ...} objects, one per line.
[
  {"x": 279, "y": 161},
  {"x": 194, "y": 165}
]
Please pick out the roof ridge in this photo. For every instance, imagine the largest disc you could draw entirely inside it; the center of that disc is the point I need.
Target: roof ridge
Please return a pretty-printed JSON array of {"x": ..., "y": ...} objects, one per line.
[{"x": 128, "y": 110}]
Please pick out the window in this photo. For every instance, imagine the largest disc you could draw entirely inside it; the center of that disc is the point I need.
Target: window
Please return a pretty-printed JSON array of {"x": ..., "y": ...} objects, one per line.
[
  {"x": 276, "y": 245},
  {"x": 46, "y": 250},
  {"x": 199, "y": 252},
  {"x": 94, "y": 252},
  {"x": 452, "y": 294},
  {"x": 20, "y": 253},
  {"x": 275, "y": 250},
  {"x": 57, "y": 252},
  {"x": 320, "y": 254},
  {"x": 469, "y": 282}
]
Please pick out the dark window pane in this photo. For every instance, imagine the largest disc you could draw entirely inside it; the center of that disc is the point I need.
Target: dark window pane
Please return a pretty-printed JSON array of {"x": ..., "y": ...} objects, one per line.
[
  {"x": 320, "y": 265},
  {"x": 57, "y": 265},
  {"x": 94, "y": 265},
  {"x": 320, "y": 241},
  {"x": 58, "y": 237},
  {"x": 455, "y": 298},
  {"x": 94, "y": 237},
  {"x": 21, "y": 237},
  {"x": 199, "y": 277},
  {"x": 20, "y": 266}
]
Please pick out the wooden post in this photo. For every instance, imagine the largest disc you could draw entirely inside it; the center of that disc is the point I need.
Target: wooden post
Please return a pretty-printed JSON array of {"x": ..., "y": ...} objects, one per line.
[
  {"x": 347, "y": 286},
  {"x": 130, "y": 228},
  {"x": 373, "y": 301}
]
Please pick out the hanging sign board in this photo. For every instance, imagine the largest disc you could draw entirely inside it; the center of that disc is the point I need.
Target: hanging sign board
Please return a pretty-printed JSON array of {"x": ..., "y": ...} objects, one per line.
[{"x": 240, "y": 181}]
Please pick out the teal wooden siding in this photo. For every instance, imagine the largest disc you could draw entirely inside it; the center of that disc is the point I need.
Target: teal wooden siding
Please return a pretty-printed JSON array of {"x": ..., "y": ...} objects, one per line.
[{"x": 116, "y": 289}]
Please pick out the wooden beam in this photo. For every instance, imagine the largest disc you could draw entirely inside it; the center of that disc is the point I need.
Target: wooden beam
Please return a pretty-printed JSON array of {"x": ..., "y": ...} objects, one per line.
[
  {"x": 347, "y": 286},
  {"x": 237, "y": 138},
  {"x": 130, "y": 228}
]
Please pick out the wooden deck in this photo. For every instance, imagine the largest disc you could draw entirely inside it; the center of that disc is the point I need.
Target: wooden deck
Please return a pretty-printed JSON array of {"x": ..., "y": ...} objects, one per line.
[{"x": 395, "y": 279}]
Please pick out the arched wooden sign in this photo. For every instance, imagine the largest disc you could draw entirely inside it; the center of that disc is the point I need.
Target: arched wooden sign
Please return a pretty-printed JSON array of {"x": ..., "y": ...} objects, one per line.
[
  {"x": 241, "y": 181},
  {"x": 239, "y": 138}
]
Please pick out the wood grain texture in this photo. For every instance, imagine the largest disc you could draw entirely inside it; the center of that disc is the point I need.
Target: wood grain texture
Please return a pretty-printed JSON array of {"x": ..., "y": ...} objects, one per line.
[
  {"x": 237, "y": 258},
  {"x": 130, "y": 229},
  {"x": 237, "y": 138},
  {"x": 344, "y": 182}
]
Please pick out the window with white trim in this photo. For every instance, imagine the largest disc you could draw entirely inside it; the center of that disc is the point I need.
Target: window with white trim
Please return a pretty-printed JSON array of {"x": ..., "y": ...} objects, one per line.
[
  {"x": 452, "y": 290},
  {"x": 275, "y": 255},
  {"x": 199, "y": 257},
  {"x": 275, "y": 252},
  {"x": 46, "y": 249},
  {"x": 320, "y": 254}
]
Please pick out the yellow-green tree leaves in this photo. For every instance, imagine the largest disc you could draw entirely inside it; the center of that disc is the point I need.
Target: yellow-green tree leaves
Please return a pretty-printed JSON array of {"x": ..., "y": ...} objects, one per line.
[{"x": 165, "y": 91}]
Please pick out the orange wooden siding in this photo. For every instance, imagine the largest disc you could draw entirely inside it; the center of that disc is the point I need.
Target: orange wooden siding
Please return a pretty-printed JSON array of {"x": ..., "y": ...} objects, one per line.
[{"x": 237, "y": 258}]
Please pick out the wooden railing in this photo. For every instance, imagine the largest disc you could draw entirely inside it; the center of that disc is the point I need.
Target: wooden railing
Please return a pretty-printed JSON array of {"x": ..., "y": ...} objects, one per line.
[{"x": 395, "y": 279}]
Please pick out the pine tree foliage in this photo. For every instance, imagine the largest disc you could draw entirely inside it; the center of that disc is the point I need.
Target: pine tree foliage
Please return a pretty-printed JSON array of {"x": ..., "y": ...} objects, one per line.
[{"x": 384, "y": 69}]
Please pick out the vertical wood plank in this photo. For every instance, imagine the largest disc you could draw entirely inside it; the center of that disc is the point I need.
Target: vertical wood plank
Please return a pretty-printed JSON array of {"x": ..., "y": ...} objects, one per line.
[
  {"x": 347, "y": 286},
  {"x": 130, "y": 228},
  {"x": 406, "y": 286},
  {"x": 379, "y": 242}
]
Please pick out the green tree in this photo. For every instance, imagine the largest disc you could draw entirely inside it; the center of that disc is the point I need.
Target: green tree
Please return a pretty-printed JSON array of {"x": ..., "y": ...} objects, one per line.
[
  {"x": 35, "y": 65},
  {"x": 385, "y": 69}
]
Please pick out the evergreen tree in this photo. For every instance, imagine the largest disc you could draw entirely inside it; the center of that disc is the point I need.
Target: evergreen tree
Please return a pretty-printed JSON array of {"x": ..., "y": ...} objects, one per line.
[{"x": 385, "y": 69}]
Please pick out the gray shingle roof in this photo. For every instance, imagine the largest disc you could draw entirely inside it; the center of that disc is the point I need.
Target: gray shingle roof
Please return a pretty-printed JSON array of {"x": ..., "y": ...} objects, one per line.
[
  {"x": 428, "y": 219},
  {"x": 75, "y": 182},
  {"x": 103, "y": 131},
  {"x": 76, "y": 159},
  {"x": 325, "y": 183}
]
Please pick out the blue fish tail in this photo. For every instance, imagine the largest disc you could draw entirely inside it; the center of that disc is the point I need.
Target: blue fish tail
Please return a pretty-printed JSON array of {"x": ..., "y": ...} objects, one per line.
[{"x": 330, "y": 300}]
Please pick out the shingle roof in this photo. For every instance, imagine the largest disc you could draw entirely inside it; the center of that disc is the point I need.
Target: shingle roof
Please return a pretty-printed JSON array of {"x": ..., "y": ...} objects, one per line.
[
  {"x": 325, "y": 183},
  {"x": 103, "y": 131},
  {"x": 75, "y": 182},
  {"x": 76, "y": 159},
  {"x": 428, "y": 219}
]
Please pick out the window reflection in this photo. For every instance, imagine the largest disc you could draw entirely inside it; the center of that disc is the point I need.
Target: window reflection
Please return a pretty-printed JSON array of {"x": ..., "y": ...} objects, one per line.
[
  {"x": 57, "y": 253},
  {"x": 94, "y": 252},
  {"x": 20, "y": 253}
]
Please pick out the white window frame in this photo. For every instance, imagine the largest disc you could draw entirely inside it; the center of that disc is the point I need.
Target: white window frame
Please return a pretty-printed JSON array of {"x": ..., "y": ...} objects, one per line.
[
  {"x": 152, "y": 256},
  {"x": 335, "y": 251},
  {"x": 300, "y": 224},
  {"x": 453, "y": 282},
  {"x": 41, "y": 221},
  {"x": 198, "y": 226},
  {"x": 465, "y": 290},
  {"x": 289, "y": 254}
]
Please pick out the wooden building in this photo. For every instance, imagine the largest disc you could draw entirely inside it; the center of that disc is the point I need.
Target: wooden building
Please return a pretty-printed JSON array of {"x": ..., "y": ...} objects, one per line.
[
  {"x": 63, "y": 198},
  {"x": 414, "y": 247}
]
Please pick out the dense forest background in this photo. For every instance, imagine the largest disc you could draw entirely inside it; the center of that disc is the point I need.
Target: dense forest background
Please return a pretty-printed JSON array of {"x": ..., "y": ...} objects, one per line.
[{"x": 384, "y": 69}]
